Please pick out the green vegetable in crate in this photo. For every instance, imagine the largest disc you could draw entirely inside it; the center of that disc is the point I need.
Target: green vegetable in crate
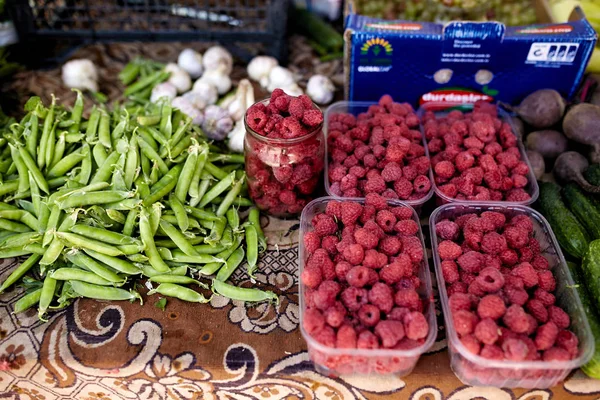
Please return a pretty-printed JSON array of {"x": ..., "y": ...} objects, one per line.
[
  {"x": 571, "y": 236},
  {"x": 592, "y": 174},
  {"x": 590, "y": 267},
  {"x": 590, "y": 307},
  {"x": 585, "y": 207}
]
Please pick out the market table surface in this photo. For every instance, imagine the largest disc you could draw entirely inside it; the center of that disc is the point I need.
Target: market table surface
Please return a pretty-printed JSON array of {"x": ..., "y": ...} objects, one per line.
[{"x": 97, "y": 350}]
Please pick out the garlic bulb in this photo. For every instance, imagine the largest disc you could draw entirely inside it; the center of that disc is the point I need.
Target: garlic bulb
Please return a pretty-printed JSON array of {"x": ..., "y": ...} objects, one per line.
[
  {"x": 320, "y": 89},
  {"x": 196, "y": 99},
  {"x": 191, "y": 62},
  {"x": 260, "y": 67},
  {"x": 80, "y": 74},
  {"x": 292, "y": 90},
  {"x": 280, "y": 77},
  {"x": 178, "y": 78},
  {"x": 236, "y": 137},
  {"x": 216, "y": 57},
  {"x": 243, "y": 99},
  {"x": 186, "y": 107},
  {"x": 206, "y": 90},
  {"x": 218, "y": 79},
  {"x": 163, "y": 91}
]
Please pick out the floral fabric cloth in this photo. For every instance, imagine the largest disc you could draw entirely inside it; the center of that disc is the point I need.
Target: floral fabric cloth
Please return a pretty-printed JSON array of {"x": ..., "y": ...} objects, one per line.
[{"x": 117, "y": 350}]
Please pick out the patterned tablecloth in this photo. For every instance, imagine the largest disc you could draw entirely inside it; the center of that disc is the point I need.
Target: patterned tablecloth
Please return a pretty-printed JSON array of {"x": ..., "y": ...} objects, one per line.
[{"x": 103, "y": 350}]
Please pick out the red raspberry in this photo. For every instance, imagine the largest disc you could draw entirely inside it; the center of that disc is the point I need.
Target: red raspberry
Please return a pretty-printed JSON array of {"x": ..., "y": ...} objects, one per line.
[
  {"x": 403, "y": 188},
  {"x": 312, "y": 118},
  {"x": 464, "y": 160},
  {"x": 515, "y": 349},
  {"x": 367, "y": 340},
  {"x": 408, "y": 298},
  {"x": 447, "y": 229},
  {"x": 517, "y": 195},
  {"x": 515, "y": 319},
  {"x": 493, "y": 243},
  {"x": 449, "y": 190},
  {"x": 470, "y": 261},
  {"x": 320, "y": 259},
  {"x": 390, "y": 245},
  {"x": 337, "y": 172},
  {"x": 401, "y": 212},
  {"x": 568, "y": 341},
  {"x": 444, "y": 169},
  {"x": 372, "y": 226},
  {"x": 341, "y": 269},
  {"x": 335, "y": 315},
  {"x": 519, "y": 181},
  {"x": 406, "y": 227},
  {"x": 358, "y": 276},
  {"x": 390, "y": 332},
  {"x": 373, "y": 277},
  {"x": 526, "y": 254},
  {"x": 386, "y": 220},
  {"x": 476, "y": 289},
  {"x": 296, "y": 107},
  {"x": 381, "y": 296},
  {"x": 353, "y": 298},
  {"x": 507, "y": 159},
  {"x": 486, "y": 331},
  {"x": 397, "y": 151},
  {"x": 473, "y": 143},
  {"x": 413, "y": 247},
  {"x": 314, "y": 321},
  {"x": 329, "y": 243},
  {"x": 346, "y": 337},
  {"x": 539, "y": 262},
  {"x": 559, "y": 317},
  {"x": 378, "y": 151},
  {"x": 374, "y": 259},
  {"x": 398, "y": 313},
  {"x": 391, "y": 172},
  {"x": 393, "y": 272},
  {"x": 546, "y": 281},
  {"x": 492, "y": 148},
  {"x": 357, "y": 171},
  {"x": 376, "y": 201},
  {"x": 471, "y": 343},
  {"x": 509, "y": 257},
  {"x": 491, "y": 306},
  {"x": 326, "y": 294},
  {"x": 546, "y": 336},
  {"x": 490, "y": 279},
  {"x": 367, "y": 214},
  {"x": 415, "y": 325},
  {"x": 354, "y": 254},
  {"x": 375, "y": 184},
  {"x": 464, "y": 321},
  {"x": 538, "y": 310},
  {"x": 326, "y": 336},
  {"x": 311, "y": 242},
  {"x": 350, "y": 212},
  {"x": 325, "y": 226},
  {"x": 545, "y": 297},
  {"x": 516, "y": 295},
  {"x": 460, "y": 301},
  {"x": 449, "y": 250},
  {"x": 526, "y": 272},
  {"x": 457, "y": 287},
  {"x": 366, "y": 238},
  {"x": 369, "y": 315},
  {"x": 483, "y": 131},
  {"x": 421, "y": 185},
  {"x": 348, "y": 182},
  {"x": 556, "y": 354},
  {"x": 311, "y": 276},
  {"x": 492, "y": 352},
  {"x": 409, "y": 172},
  {"x": 450, "y": 271}
]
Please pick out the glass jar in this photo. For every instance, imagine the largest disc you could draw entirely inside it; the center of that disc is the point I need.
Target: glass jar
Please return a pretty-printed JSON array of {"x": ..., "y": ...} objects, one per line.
[{"x": 284, "y": 174}]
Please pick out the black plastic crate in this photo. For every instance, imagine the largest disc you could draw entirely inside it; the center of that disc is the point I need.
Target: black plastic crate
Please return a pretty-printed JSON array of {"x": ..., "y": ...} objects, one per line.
[{"x": 226, "y": 21}]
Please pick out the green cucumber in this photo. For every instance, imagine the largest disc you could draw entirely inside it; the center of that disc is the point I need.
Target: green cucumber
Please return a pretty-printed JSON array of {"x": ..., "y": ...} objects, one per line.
[
  {"x": 592, "y": 368},
  {"x": 592, "y": 174},
  {"x": 571, "y": 236},
  {"x": 585, "y": 207}
]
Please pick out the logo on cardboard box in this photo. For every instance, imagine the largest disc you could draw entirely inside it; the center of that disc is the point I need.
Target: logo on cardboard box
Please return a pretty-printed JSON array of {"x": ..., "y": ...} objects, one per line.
[
  {"x": 375, "y": 55},
  {"x": 443, "y": 99}
]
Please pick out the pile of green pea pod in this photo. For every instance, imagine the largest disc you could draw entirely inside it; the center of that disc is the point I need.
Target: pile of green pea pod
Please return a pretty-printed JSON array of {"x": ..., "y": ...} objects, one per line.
[{"x": 134, "y": 193}]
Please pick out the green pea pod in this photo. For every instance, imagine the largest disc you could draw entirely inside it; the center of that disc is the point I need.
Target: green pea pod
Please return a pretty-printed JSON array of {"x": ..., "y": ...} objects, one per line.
[
  {"x": 166, "y": 126},
  {"x": 153, "y": 156},
  {"x": 76, "y": 112},
  {"x": 27, "y": 301},
  {"x": 217, "y": 189},
  {"x": 87, "y": 199},
  {"x": 118, "y": 264},
  {"x": 46, "y": 296},
  {"x": 79, "y": 241},
  {"x": 164, "y": 186},
  {"x": 252, "y": 246},
  {"x": 104, "y": 129},
  {"x": 84, "y": 261},
  {"x": 249, "y": 295},
  {"x": 148, "y": 239},
  {"x": 212, "y": 268},
  {"x": 21, "y": 169},
  {"x": 98, "y": 292},
  {"x": 130, "y": 222},
  {"x": 176, "y": 236},
  {"x": 104, "y": 173},
  {"x": 232, "y": 263},
  {"x": 103, "y": 235},
  {"x": 187, "y": 173},
  {"x": 179, "y": 292},
  {"x": 66, "y": 164},
  {"x": 231, "y": 196},
  {"x": 178, "y": 279},
  {"x": 20, "y": 271},
  {"x": 68, "y": 274},
  {"x": 92, "y": 127}
]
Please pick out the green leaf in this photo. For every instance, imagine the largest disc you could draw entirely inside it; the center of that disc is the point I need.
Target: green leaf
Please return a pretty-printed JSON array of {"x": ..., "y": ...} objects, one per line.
[
  {"x": 32, "y": 103},
  {"x": 161, "y": 304}
]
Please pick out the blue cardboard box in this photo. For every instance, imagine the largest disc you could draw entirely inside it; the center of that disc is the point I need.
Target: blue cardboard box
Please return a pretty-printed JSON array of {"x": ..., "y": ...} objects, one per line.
[{"x": 439, "y": 66}]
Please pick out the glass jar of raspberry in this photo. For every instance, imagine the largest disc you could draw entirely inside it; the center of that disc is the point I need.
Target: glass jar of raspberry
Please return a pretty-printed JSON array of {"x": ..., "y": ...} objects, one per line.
[{"x": 284, "y": 150}]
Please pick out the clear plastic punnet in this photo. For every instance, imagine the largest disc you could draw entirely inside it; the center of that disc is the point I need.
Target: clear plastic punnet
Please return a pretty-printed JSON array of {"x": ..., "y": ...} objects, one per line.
[
  {"x": 475, "y": 370},
  {"x": 333, "y": 361},
  {"x": 532, "y": 187},
  {"x": 356, "y": 108}
]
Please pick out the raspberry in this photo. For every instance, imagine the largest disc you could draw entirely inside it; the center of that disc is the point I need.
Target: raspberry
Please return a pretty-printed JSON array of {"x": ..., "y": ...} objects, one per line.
[
  {"x": 372, "y": 226},
  {"x": 350, "y": 212},
  {"x": 447, "y": 230},
  {"x": 366, "y": 238},
  {"x": 325, "y": 295},
  {"x": 341, "y": 269},
  {"x": 445, "y": 169},
  {"x": 381, "y": 296},
  {"x": 336, "y": 173},
  {"x": 408, "y": 298},
  {"x": 374, "y": 259},
  {"x": 519, "y": 181},
  {"x": 568, "y": 341},
  {"x": 492, "y": 261},
  {"x": 449, "y": 190},
  {"x": 311, "y": 277},
  {"x": 291, "y": 128},
  {"x": 476, "y": 289},
  {"x": 346, "y": 337},
  {"x": 376, "y": 201},
  {"x": 509, "y": 257},
  {"x": 516, "y": 295},
  {"x": 538, "y": 310},
  {"x": 312, "y": 118},
  {"x": 386, "y": 220},
  {"x": 374, "y": 184},
  {"x": 449, "y": 250},
  {"x": 311, "y": 242},
  {"x": 314, "y": 321},
  {"x": 559, "y": 317},
  {"x": 415, "y": 325},
  {"x": 457, "y": 287},
  {"x": 464, "y": 321},
  {"x": 393, "y": 272},
  {"x": 515, "y": 319},
  {"x": 490, "y": 279},
  {"x": 325, "y": 226},
  {"x": 464, "y": 160},
  {"x": 556, "y": 354},
  {"x": 329, "y": 243},
  {"x": 450, "y": 271},
  {"x": 326, "y": 336},
  {"x": 335, "y": 315},
  {"x": 471, "y": 343},
  {"x": 545, "y": 297},
  {"x": 391, "y": 172},
  {"x": 493, "y": 243},
  {"x": 492, "y": 352},
  {"x": 353, "y": 298},
  {"x": 369, "y": 315},
  {"x": 390, "y": 332},
  {"x": 526, "y": 254},
  {"x": 486, "y": 331},
  {"x": 491, "y": 306},
  {"x": 517, "y": 195},
  {"x": 515, "y": 349},
  {"x": 407, "y": 227},
  {"x": 358, "y": 276},
  {"x": 413, "y": 247},
  {"x": 527, "y": 273},
  {"x": 470, "y": 261},
  {"x": 348, "y": 182},
  {"x": 321, "y": 259},
  {"x": 378, "y": 151},
  {"x": 368, "y": 213},
  {"x": 397, "y": 151},
  {"x": 403, "y": 188},
  {"x": 546, "y": 336},
  {"x": 409, "y": 172},
  {"x": 460, "y": 301},
  {"x": 354, "y": 254},
  {"x": 373, "y": 277},
  {"x": 390, "y": 245},
  {"x": 367, "y": 340},
  {"x": 539, "y": 262},
  {"x": 546, "y": 281},
  {"x": 296, "y": 108}
]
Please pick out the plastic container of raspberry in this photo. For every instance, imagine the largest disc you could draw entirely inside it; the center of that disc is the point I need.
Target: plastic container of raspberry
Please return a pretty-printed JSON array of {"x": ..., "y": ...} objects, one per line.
[
  {"x": 475, "y": 370},
  {"x": 355, "y": 108},
  {"x": 531, "y": 188},
  {"x": 333, "y": 361}
]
